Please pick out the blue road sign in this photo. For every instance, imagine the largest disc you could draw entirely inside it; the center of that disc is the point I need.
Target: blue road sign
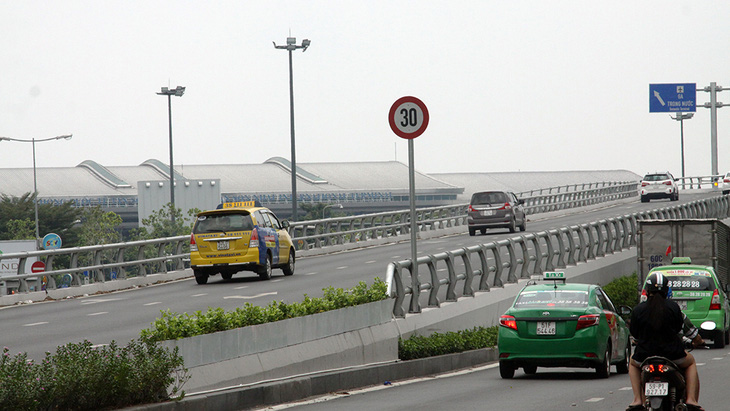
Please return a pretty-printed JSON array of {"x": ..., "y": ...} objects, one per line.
[{"x": 665, "y": 98}]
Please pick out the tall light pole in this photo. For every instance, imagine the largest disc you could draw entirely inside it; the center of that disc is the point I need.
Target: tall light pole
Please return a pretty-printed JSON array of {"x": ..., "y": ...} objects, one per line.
[
  {"x": 681, "y": 117},
  {"x": 35, "y": 178},
  {"x": 177, "y": 91},
  {"x": 291, "y": 45}
]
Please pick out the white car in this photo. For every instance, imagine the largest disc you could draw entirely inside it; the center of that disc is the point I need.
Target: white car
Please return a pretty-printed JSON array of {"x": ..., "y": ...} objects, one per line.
[
  {"x": 659, "y": 185},
  {"x": 725, "y": 183}
]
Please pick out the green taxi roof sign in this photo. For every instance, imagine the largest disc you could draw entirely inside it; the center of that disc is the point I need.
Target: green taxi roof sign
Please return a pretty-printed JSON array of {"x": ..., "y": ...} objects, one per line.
[
  {"x": 553, "y": 275},
  {"x": 681, "y": 260}
]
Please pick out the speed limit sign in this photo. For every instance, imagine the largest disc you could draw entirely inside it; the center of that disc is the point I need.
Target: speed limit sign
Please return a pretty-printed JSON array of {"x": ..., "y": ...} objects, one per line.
[{"x": 408, "y": 117}]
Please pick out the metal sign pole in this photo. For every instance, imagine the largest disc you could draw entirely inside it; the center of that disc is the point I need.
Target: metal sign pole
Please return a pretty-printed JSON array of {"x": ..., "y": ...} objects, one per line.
[{"x": 415, "y": 285}]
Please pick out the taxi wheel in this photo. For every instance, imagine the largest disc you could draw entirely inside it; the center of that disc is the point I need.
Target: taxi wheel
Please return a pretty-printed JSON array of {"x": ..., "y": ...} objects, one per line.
[
  {"x": 719, "y": 341},
  {"x": 265, "y": 270},
  {"x": 512, "y": 226},
  {"x": 289, "y": 267},
  {"x": 506, "y": 371},
  {"x": 530, "y": 369},
  {"x": 200, "y": 277},
  {"x": 227, "y": 275},
  {"x": 472, "y": 232},
  {"x": 623, "y": 366},
  {"x": 604, "y": 369}
]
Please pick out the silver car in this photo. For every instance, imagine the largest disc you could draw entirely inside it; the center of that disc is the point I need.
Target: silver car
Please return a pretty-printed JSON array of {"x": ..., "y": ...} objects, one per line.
[{"x": 495, "y": 209}]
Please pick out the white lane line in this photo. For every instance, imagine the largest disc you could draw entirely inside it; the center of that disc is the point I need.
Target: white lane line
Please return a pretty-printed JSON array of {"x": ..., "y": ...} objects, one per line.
[
  {"x": 248, "y": 297},
  {"x": 34, "y": 324},
  {"x": 718, "y": 358},
  {"x": 241, "y": 287},
  {"x": 276, "y": 281},
  {"x": 625, "y": 389},
  {"x": 370, "y": 262},
  {"x": 153, "y": 303},
  {"x": 342, "y": 268},
  {"x": 594, "y": 399},
  {"x": 700, "y": 364},
  {"x": 199, "y": 295},
  {"x": 395, "y": 256},
  {"x": 99, "y": 313},
  {"x": 99, "y": 300},
  {"x": 311, "y": 273}
]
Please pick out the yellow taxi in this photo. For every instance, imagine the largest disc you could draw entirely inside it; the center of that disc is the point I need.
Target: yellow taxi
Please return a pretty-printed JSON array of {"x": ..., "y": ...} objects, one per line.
[{"x": 240, "y": 236}]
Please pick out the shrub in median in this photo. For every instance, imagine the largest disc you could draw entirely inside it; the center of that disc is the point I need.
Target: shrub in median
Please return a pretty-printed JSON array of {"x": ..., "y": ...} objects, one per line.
[
  {"x": 172, "y": 326},
  {"x": 623, "y": 291},
  {"x": 446, "y": 343},
  {"x": 82, "y": 377}
]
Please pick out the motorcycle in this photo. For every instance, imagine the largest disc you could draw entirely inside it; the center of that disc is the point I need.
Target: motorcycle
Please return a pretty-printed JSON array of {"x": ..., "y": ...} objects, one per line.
[{"x": 663, "y": 381}]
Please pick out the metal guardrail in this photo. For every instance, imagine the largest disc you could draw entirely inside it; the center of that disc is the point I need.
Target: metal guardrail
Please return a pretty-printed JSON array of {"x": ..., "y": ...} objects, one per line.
[
  {"x": 530, "y": 254},
  {"x": 699, "y": 181},
  {"x": 352, "y": 229},
  {"x": 101, "y": 262}
]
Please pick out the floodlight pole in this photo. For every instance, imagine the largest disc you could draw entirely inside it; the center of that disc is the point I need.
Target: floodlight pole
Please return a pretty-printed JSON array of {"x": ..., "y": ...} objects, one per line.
[
  {"x": 291, "y": 46},
  {"x": 165, "y": 91},
  {"x": 35, "y": 177}
]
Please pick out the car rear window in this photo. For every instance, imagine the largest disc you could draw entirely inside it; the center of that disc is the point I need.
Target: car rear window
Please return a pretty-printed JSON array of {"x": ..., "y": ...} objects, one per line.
[
  {"x": 223, "y": 222},
  {"x": 552, "y": 298},
  {"x": 691, "y": 282},
  {"x": 489, "y": 198},
  {"x": 656, "y": 177}
]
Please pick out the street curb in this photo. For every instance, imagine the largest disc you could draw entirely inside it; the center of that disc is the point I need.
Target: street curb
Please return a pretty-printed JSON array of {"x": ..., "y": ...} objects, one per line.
[{"x": 301, "y": 387}]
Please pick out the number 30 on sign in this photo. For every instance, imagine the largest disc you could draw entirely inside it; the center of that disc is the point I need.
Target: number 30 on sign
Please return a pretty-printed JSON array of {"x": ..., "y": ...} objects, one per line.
[{"x": 408, "y": 117}]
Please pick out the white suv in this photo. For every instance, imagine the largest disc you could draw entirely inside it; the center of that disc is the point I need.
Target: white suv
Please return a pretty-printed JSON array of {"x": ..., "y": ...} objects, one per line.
[{"x": 659, "y": 185}]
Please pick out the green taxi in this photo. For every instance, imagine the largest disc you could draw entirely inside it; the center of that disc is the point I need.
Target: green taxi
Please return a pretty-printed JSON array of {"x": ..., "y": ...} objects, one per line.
[
  {"x": 559, "y": 324},
  {"x": 700, "y": 295}
]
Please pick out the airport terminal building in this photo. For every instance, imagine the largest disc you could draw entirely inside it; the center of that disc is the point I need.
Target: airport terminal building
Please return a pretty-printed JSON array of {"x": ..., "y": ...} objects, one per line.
[{"x": 134, "y": 192}]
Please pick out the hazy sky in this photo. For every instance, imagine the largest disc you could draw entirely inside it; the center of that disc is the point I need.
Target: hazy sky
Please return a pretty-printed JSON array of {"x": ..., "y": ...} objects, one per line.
[{"x": 509, "y": 85}]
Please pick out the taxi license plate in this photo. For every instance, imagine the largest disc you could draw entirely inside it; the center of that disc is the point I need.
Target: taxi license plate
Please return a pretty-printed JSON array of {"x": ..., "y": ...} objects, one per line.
[
  {"x": 224, "y": 245},
  {"x": 487, "y": 212},
  {"x": 546, "y": 328},
  {"x": 656, "y": 389}
]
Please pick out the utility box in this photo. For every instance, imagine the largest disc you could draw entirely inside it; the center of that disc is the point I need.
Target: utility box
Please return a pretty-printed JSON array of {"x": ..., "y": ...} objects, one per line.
[{"x": 705, "y": 241}]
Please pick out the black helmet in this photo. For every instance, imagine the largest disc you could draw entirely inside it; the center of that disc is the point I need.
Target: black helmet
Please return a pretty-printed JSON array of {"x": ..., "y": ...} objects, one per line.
[{"x": 657, "y": 283}]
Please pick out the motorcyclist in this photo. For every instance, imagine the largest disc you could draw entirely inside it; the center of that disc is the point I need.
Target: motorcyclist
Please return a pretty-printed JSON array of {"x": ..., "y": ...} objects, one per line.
[{"x": 656, "y": 325}]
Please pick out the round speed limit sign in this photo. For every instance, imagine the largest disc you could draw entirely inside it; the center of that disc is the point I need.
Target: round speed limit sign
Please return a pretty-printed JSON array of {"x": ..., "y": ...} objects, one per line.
[{"x": 408, "y": 117}]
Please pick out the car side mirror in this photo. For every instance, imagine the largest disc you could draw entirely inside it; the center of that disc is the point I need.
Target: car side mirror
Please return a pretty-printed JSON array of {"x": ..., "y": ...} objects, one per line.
[
  {"x": 285, "y": 223},
  {"x": 520, "y": 202},
  {"x": 624, "y": 310}
]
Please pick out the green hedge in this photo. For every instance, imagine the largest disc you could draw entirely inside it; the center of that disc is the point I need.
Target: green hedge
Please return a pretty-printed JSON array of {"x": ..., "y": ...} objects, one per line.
[
  {"x": 82, "y": 377},
  {"x": 623, "y": 291},
  {"x": 172, "y": 326}
]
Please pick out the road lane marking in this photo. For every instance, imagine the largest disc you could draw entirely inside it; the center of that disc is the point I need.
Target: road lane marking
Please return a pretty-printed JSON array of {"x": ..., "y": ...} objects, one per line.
[
  {"x": 154, "y": 303},
  {"x": 34, "y": 324},
  {"x": 199, "y": 295},
  {"x": 370, "y": 262},
  {"x": 102, "y": 300},
  {"x": 625, "y": 389},
  {"x": 276, "y": 281},
  {"x": 594, "y": 399},
  {"x": 342, "y": 268},
  {"x": 99, "y": 313},
  {"x": 311, "y": 273},
  {"x": 241, "y": 287},
  {"x": 248, "y": 297}
]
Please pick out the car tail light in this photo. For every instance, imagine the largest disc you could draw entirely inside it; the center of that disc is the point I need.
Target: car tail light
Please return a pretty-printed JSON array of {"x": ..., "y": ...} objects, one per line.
[
  {"x": 254, "y": 242},
  {"x": 669, "y": 183},
  {"x": 506, "y": 206},
  {"x": 727, "y": 180},
  {"x": 585, "y": 321},
  {"x": 508, "y": 321},
  {"x": 471, "y": 208},
  {"x": 715, "y": 302},
  {"x": 643, "y": 184},
  {"x": 193, "y": 246}
]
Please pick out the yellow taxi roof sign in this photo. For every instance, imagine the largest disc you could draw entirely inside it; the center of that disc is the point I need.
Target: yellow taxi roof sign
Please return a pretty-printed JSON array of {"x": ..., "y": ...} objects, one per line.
[{"x": 237, "y": 204}]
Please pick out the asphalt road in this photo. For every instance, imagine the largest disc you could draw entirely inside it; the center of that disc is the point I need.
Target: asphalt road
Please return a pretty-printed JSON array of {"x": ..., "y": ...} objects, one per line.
[
  {"x": 41, "y": 327},
  {"x": 551, "y": 389}
]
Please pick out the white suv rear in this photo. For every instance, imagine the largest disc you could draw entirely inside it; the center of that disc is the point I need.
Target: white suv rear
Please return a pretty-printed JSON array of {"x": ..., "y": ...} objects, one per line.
[{"x": 659, "y": 185}]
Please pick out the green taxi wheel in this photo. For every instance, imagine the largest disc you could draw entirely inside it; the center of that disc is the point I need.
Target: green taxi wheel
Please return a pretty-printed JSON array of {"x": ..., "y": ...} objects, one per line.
[
  {"x": 530, "y": 369},
  {"x": 604, "y": 369},
  {"x": 623, "y": 366},
  {"x": 506, "y": 370}
]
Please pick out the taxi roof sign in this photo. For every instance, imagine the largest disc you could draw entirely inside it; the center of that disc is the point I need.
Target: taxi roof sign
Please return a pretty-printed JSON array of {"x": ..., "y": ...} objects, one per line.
[
  {"x": 554, "y": 276},
  {"x": 236, "y": 204},
  {"x": 681, "y": 260}
]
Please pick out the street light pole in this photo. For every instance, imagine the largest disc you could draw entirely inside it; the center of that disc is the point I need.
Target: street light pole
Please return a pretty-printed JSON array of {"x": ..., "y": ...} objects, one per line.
[
  {"x": 681, "y": 117},
  {"x": 35, "y": 177},
  {"x": 291, "y": 46},
  {"x": 330, "y": 205},
  {"x": 178, "y": 91}
]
